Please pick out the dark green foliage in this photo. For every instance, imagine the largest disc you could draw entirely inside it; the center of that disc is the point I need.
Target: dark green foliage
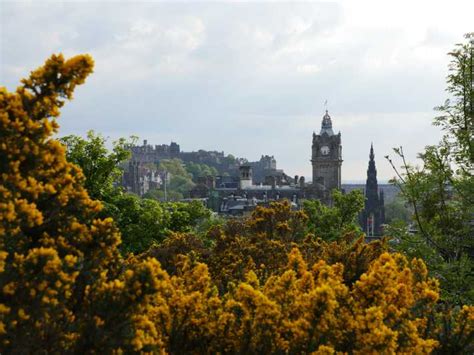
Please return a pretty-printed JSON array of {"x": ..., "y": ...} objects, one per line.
[
  {"x": 144, "y": 222},
  {"x": 180, "y": 180},
  {"x": 397, "y": 210},
  {"x": 200, "y": 170},
  {"x": 160, "y": 195},
  {"x": 330, "y": 223},
  {"x": 185, "y": 216}
]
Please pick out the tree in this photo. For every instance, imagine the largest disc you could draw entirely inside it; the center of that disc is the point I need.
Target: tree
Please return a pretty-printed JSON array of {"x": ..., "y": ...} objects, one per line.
[
  {"x": 330, "y": 223},
  {"x": 441, "y": 193},
  {"x": 397, "y": 210},
  {"x": 159, "y": 195},
  {"x": 61, "y": 274},
  {"x": 180, "y": 180},
  {"x": 185, "y": 216},
  {"x": 99, "y": 166},
  {"x": 142, "y": 222},
  {"x": 200, "y": 170}
]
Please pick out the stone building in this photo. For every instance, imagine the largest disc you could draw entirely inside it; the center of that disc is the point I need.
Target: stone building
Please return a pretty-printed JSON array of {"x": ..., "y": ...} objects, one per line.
[
  {"x": 147, "y": 153},
  {"x": 239, "y": 180},
  {"x": 373, "y": 216},
  {"x": 326, "y": 156},
  {"x": 227, "y": 166},
  {"x": 139, "y": 177},
  {"x": 240, "y": 195},
  {"x": 267, "y": 166}
]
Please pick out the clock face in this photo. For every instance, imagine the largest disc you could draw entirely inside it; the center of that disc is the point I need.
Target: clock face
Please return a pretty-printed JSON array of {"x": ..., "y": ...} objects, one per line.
[{"x": 325, "y": 150}]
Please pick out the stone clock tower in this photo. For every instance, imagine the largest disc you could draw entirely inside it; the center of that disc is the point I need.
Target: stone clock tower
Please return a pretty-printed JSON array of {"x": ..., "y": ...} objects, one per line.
[{"x": 327, "y": 156}]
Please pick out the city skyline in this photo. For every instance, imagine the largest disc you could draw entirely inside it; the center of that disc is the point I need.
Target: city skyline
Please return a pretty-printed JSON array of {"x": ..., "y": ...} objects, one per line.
[{"x": 248, "y": 78}]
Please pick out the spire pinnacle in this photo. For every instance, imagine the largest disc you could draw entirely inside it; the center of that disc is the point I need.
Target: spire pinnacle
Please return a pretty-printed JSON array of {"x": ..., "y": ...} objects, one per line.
[
  {"x": 326, "y": 125},
  {"x": 372, "y": 156}
]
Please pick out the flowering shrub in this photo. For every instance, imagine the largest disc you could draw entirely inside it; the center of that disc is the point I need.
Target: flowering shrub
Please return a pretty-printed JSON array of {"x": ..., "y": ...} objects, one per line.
[
  {"x": 263, "y": 286},
  {"x": 57, "y": 262}
]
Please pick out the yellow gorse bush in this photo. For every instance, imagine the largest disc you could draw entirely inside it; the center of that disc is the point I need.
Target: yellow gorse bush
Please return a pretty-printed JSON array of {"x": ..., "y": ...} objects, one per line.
[{"x": 65, "y": 288}]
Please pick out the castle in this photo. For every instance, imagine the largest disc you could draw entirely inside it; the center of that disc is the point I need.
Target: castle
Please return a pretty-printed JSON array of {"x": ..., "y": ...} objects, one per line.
[
  {"x": 241, "y": 185},
  {"x": 141, "y": 174},
  {"x": 259, "y": 180}
]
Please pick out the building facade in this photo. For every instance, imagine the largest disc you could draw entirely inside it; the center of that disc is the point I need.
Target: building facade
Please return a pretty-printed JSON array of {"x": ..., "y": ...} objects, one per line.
[
  {"x": 139, "y": 177},
  {"x": 326, "y": 156}
]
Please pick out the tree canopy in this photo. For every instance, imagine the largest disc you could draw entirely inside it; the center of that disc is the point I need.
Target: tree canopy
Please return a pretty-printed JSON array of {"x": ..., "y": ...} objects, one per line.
[{"x": 99, "y": 166}]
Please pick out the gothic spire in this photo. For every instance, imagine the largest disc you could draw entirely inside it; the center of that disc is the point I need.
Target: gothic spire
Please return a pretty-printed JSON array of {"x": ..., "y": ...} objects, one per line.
[
  {"x": 326, "y": 125},
  {"x": 373, "y": 215},
  {"x": 372, "y": 171}
]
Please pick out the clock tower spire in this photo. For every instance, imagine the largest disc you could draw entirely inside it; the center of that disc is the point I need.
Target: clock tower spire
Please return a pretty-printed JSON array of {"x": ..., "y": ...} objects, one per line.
[{"x": 326, "y": 156}]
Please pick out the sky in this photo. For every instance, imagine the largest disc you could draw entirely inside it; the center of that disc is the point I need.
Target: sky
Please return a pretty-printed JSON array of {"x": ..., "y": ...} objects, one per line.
[{"x": 248, "y": 78}]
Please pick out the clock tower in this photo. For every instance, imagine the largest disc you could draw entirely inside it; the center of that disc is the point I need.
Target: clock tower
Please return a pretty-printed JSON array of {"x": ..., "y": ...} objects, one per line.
[{"x": 327, "y": 156}]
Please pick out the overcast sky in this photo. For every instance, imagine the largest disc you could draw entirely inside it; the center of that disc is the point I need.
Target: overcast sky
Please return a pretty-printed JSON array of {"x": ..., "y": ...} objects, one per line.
[{"x": 248, "y": 78}]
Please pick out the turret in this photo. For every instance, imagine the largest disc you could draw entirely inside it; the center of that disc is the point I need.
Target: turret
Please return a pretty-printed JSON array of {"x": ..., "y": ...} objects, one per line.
[{"x": 245, "y": 176}]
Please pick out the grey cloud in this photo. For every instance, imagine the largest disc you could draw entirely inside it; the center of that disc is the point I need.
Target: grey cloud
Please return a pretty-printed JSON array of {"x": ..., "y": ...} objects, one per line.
[{"x": 246, "y": 78}]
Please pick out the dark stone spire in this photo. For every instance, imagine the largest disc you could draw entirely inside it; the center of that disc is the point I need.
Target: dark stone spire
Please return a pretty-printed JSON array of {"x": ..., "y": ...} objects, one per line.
[
  {"x": 326, "y": 125},
  {"x": 371, "y": 186},
  {"x": 373, "y": 215},
  {"x": 372, "y": 173}
]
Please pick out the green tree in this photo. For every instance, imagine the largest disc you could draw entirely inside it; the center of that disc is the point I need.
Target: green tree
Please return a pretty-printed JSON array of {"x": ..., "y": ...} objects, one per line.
[
  {"x": 397, "y": 210},
  {"x": 330, "y": 223},
  {"x": 230, "y": 159},
  {"x": 200, "y": 170},
  {"x": 99, "y": 165},
  {"x": 441, "y": 194},
  {"x": 142, "y": 222},
  {"x": 185, "y": 216},
  {"x": 180, "y": 184},
  {"x": 180, "y": 181},
  {"x": 159, "y": 195}
]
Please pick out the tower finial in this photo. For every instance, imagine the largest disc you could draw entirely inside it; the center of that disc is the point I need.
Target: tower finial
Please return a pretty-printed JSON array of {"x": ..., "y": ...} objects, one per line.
[
  {"x": 371, "y": 151},
  {"x": 326, "y": 125}
]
